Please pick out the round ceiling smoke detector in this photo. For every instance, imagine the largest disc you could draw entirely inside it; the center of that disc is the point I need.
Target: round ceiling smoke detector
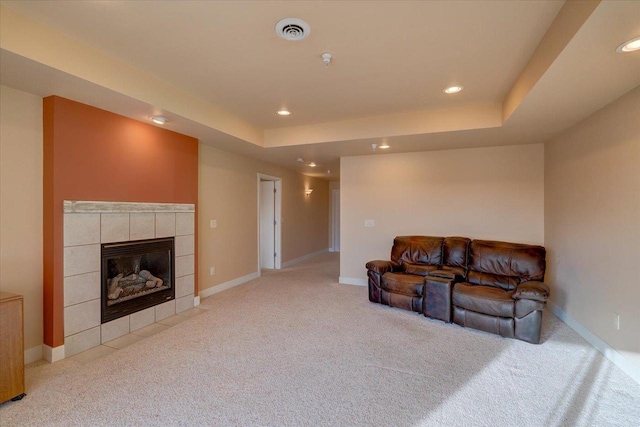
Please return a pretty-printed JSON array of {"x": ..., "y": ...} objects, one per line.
[{"x": 293, "y": 29}]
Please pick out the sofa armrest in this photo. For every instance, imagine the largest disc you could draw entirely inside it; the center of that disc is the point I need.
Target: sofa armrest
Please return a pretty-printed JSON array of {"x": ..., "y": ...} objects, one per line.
[
  {"x": 447, "y": 274},
  {"x": 534, "y": 290},
  {"x": 382, "y": 267},
  {"x": 437, "y": 298}
]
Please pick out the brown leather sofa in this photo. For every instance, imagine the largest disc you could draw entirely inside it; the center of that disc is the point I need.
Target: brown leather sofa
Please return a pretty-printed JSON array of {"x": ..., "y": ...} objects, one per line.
[
  {"x": 504, "y": 291},
  {"x": 400, "y": 282},
  {"x": 492, "y": 286}
]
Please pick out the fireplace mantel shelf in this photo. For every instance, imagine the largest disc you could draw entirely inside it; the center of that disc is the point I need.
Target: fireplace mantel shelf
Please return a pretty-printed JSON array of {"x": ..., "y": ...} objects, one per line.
[{"x": 115, "y": 207}]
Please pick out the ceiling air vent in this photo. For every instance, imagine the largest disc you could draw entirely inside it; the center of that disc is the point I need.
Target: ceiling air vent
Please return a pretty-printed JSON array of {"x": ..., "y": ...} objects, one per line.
[{"x": 293, "y": 29}]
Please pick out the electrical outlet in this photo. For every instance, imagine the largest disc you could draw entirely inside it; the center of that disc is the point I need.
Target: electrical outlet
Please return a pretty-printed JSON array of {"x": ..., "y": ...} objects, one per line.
[
  {"x": 616, "y": 321},
  {"x": 369, "y": 223},
  {"x": 212, "y": 271},
  {"x": 214, "y": 223}
]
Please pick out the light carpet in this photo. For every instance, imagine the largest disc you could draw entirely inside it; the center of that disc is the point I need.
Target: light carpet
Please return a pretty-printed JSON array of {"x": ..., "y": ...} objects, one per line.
[{"x": 296, "y": 348}]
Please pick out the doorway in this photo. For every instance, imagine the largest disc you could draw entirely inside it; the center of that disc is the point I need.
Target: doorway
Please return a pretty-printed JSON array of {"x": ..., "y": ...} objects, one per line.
[{"x": 269, "y": 218}]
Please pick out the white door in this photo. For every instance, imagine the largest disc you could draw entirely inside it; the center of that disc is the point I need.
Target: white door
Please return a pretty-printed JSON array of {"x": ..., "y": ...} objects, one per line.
[
  {"x": 335, "y": 220},
  {"x": 267, "y": 227}
]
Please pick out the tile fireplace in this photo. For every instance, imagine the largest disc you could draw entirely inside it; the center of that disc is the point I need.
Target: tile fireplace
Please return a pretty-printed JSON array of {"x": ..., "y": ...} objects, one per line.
[{"x": 126, "y": 266}]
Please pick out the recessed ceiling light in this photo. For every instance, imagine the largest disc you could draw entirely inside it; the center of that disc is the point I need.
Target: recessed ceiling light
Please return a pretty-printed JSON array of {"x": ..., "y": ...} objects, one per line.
[
  {"x": 453, "y": 89},
  {"x": 284, "y": 112},
  {"x": 384, "y": 145},
  {"x": 159, "y": 120},
  {"x": 312, "y": 164},
  {"x": 630, "y": 46}
]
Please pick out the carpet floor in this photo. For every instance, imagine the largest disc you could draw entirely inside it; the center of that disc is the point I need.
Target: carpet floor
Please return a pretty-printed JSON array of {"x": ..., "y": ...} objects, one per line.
[{"x": 295, "y": 348}]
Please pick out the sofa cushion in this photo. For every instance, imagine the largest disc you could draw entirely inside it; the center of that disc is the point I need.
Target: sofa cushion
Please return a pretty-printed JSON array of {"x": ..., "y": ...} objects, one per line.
[
  {"x": 483, "y": 299},
  {"x": 406, "y": 284},
  {"x": 504, "y": 265},
  {"x": 507, "y": 283},
  {"x": 419, "y": 269},
  {"x": 425, "y": 250},
  {"x": 454, "y": 253}
]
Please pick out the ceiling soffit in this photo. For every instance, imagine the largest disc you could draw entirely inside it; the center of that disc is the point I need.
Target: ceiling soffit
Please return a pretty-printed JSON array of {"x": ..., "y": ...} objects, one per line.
[
  {"x": 62, "y": 64},
  {"x": 40, "y": 44},
  {"x": 369, "y": 63}
]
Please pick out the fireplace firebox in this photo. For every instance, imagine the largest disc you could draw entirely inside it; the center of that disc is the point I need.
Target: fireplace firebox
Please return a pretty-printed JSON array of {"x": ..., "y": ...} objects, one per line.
[{"x": 136, "y": 275}]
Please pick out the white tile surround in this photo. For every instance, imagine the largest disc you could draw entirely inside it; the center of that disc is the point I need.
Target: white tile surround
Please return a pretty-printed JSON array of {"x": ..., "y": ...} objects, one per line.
[{"x": 89, "y": 224}]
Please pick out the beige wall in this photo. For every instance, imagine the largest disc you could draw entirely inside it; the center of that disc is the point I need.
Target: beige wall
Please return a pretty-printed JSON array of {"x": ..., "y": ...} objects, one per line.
[
  {"x": 489, "y": 193},
  {"x": 592, "y": 228},
  {"x": 21, "y": 205},
  {"x": 228, "y": 193}
]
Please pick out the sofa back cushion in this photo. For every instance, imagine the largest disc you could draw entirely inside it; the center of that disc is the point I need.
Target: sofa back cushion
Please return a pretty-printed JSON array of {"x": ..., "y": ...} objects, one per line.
[
  {"x": 415, "y": 252},
  {"x": 418, "y": 269},
  {"x": 505, "y": 265},
  {"x": 454, "y": 255}
]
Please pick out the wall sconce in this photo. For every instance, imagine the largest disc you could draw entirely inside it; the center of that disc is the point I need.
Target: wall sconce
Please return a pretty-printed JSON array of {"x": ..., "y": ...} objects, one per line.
[{"x": 308, "y": 191}]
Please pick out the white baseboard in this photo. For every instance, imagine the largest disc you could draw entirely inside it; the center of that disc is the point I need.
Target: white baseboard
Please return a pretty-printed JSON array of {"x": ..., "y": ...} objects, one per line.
[
  {"x": 353, "y": 281},
  {"x": 52, "y": 354},
  {"x": 196, "y": 301},
  {"x": 33, "y": 354},
  {"x": 227, "y": 285},
  {"x": 609, "y": 352},
  {"x": 303, "y": 258}
]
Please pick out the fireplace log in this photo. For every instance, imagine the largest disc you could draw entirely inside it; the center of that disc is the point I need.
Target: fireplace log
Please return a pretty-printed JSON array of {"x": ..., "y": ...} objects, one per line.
[
  {"x": 152, "y": 281},
  {"x": 120, "y": 286},
  {"x": 116, "y": 293},
  {"x": 129, "y": 283},
  {"x": 114, "y": 287},
  {"x": 131, "y": 279}
]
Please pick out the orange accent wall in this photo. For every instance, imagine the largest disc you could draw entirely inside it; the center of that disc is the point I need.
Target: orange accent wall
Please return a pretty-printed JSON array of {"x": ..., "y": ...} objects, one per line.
[{"x": 92, "y": 154}]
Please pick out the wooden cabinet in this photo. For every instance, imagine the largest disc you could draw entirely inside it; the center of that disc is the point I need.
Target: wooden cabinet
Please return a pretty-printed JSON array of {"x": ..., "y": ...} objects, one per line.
[{"x": 11, "y": 347}]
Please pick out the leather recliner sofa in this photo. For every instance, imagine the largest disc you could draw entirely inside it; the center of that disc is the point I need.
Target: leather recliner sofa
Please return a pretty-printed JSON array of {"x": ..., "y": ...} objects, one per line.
[
  {"x": 493, "y": 286},
  {"x": 504, "y": 291},
  {"x": 400, "y": 282}
]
